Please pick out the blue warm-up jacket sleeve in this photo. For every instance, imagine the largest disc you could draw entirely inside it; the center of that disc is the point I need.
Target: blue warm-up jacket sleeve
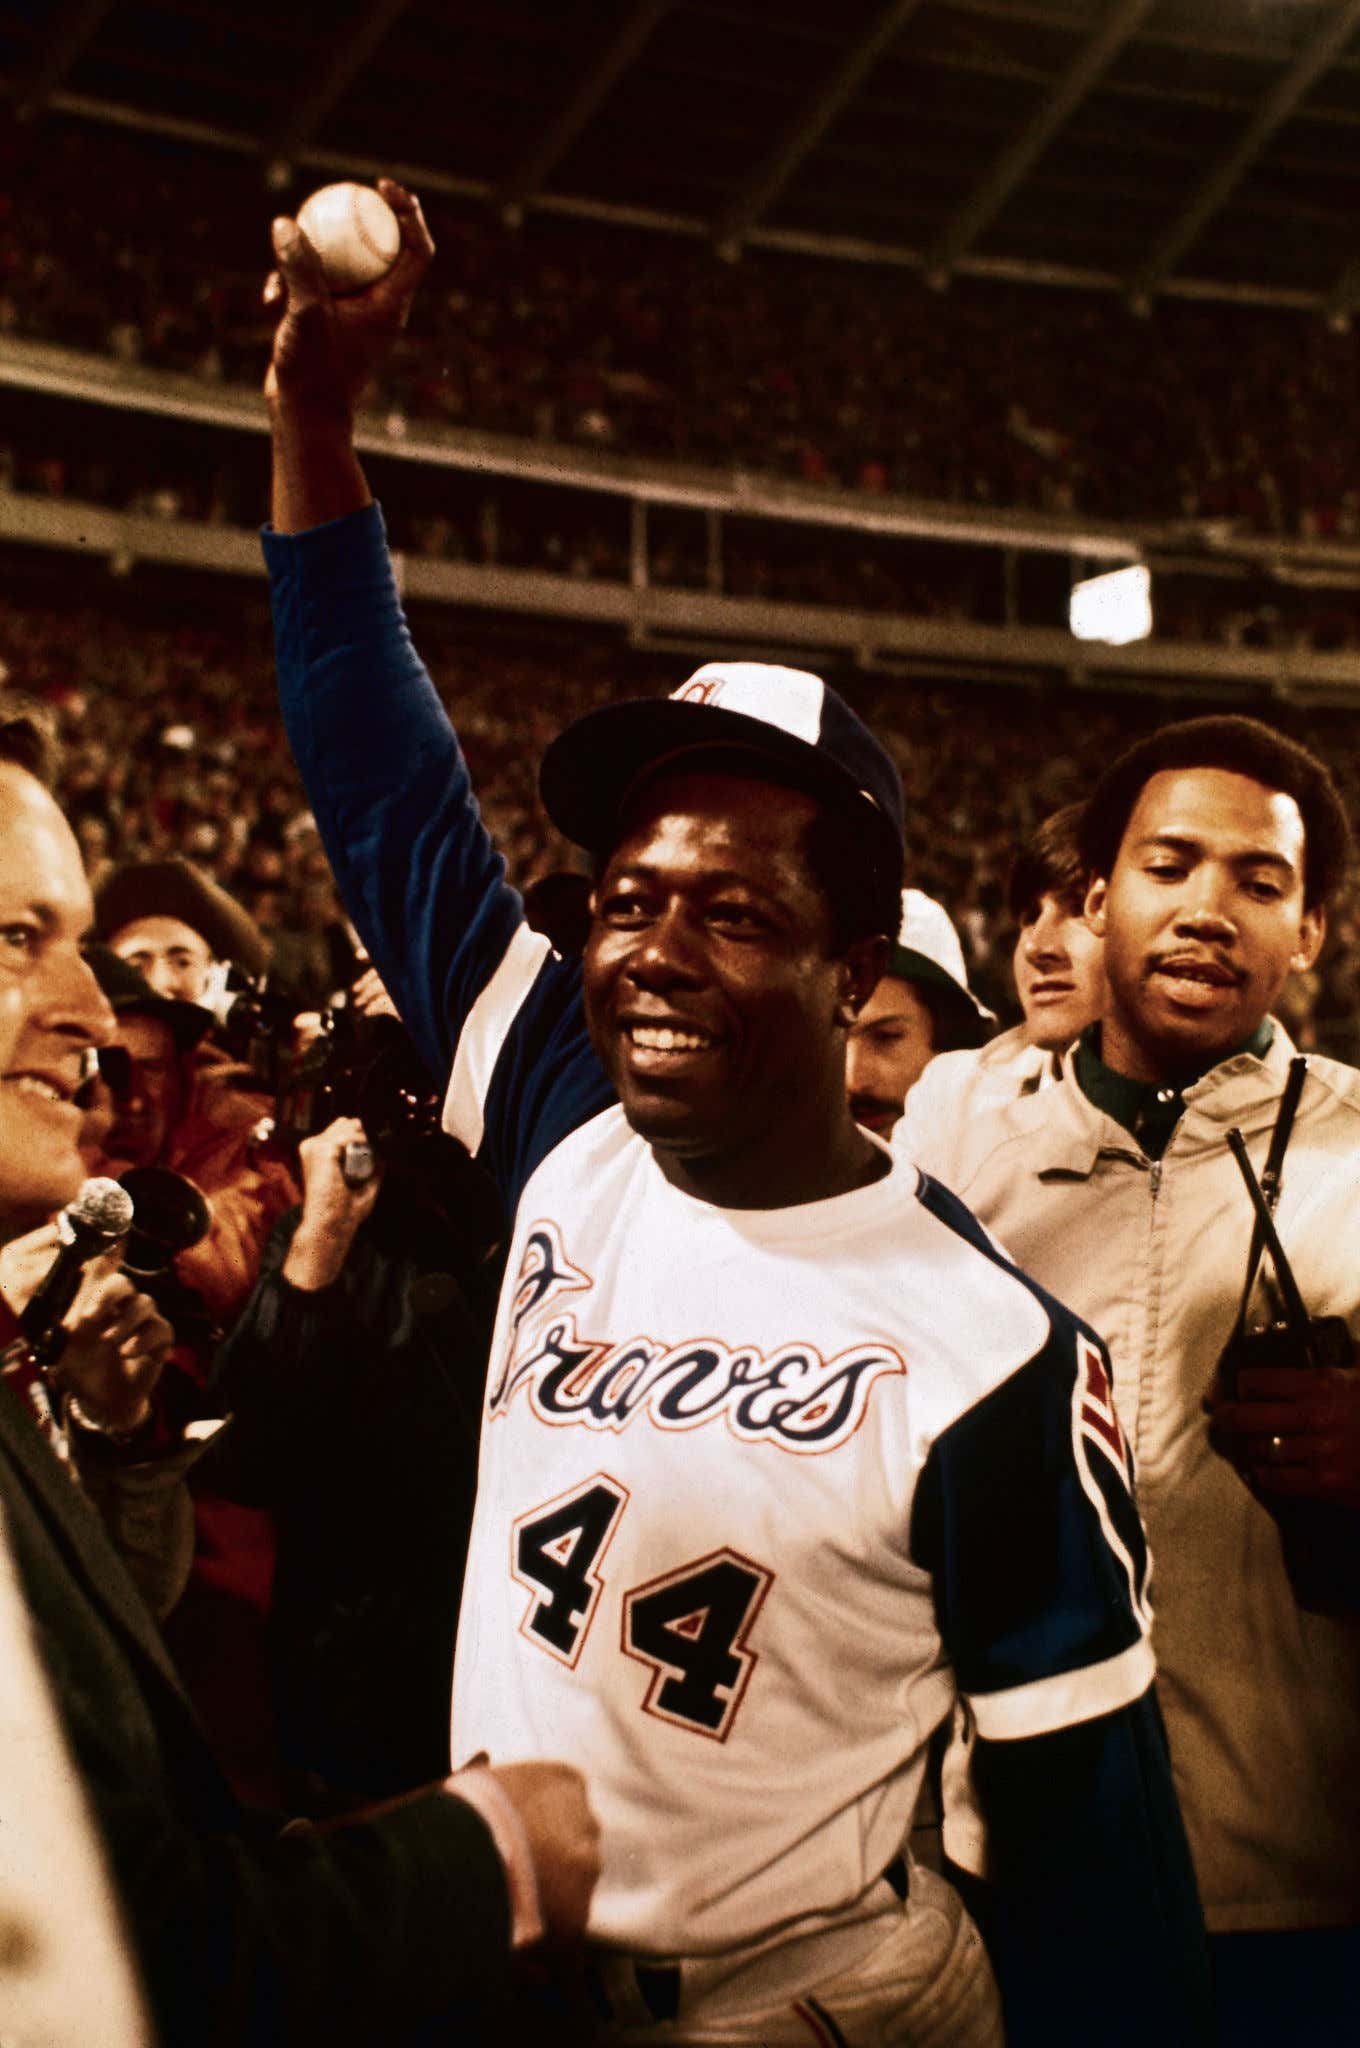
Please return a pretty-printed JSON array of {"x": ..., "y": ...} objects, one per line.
[
  {"x": 1092, "y": 1916},
  {"x": 495, "y": 1012},
  {"x": 1025, "y": 1518}
]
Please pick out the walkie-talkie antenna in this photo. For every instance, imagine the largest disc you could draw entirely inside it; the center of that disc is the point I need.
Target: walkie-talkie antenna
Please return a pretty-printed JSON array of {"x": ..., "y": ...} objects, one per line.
[
  {"x": 1295, "y": 1313},
  {"x": 1284, "y": 1125},
  {"x": 1271, "y": 1173}
]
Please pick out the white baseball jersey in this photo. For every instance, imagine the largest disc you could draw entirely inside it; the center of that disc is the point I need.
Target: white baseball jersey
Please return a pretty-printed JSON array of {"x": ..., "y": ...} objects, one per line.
[{"x": 695, "y": 1567}]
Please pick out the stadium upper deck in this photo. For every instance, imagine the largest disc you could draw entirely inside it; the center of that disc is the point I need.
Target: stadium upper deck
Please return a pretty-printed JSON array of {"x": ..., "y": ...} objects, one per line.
[{"x": 1158, "y": 144}]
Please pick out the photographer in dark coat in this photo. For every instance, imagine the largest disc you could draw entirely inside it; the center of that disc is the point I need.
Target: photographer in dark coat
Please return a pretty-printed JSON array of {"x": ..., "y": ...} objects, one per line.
[{"x": 355, "y": 1378}]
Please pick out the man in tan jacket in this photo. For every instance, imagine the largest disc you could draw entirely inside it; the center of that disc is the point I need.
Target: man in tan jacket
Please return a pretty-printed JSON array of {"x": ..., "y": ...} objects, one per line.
[{"x": 1212, "y": 848}]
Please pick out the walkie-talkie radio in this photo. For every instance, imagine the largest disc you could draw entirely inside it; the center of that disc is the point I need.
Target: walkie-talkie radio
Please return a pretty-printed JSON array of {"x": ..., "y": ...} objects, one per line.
[{"x": 1318, "y": 1538}]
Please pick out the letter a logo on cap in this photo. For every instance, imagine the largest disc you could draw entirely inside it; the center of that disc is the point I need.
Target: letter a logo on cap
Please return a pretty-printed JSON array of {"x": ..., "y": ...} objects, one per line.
[
  {"x": 790, "y": 698},
  {"x": 695, "y": 692}
]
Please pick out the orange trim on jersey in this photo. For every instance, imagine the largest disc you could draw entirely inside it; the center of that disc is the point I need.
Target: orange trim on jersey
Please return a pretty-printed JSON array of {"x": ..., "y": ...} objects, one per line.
[
  {"x": 661, "y": 1671},
  {"x": 819, "y": 2024}
]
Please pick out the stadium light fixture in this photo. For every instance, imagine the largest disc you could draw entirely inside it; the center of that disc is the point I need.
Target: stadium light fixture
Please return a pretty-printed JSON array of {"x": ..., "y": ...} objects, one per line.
[{"x": 1115, "y": 608}]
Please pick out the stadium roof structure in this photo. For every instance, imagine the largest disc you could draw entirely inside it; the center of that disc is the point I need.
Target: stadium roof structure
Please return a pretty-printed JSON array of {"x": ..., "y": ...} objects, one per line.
[{"x": 1197, "y": 147}]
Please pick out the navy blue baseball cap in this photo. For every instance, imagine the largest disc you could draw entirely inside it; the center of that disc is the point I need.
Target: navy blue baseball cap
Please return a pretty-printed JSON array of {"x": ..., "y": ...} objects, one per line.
[{"x": 790, "y": 721}]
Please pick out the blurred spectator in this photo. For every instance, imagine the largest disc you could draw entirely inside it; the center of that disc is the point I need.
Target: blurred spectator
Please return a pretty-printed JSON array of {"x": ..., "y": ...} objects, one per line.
[
  {"x": 174, "y": 1109},
  {"x": 1059, "y": 972},
  {"x": 1059, "y": 961},
  {"x": 197, "y": 1118},
  {"x": 922, "y": 1006}
]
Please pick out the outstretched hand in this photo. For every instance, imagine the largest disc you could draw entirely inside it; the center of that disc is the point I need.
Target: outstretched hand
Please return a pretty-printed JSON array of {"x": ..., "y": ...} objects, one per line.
[
  {"x": 327, "y": 350},
  {"x": 564, "y": 1840}
]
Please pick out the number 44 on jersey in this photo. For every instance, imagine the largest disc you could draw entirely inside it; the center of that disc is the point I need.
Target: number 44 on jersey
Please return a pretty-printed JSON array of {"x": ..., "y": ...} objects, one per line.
[{"x": 690, "y": 1626}]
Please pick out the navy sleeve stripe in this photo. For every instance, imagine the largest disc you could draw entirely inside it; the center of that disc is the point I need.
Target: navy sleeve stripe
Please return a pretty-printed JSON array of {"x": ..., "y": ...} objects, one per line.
[
  {"x": 1102, "y": 1456},
  {"x": 483, "y": 1035},
  {"x": 1025, "y": 1518}
]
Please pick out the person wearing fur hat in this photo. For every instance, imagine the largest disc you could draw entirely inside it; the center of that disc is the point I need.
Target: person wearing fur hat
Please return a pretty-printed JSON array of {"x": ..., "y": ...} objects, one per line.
[
  {"x": 178, "y": 928},
  {"x": 922, "y": 1006}
]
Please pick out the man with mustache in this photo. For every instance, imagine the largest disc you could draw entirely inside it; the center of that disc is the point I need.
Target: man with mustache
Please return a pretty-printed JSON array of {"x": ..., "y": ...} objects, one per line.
[{"x": 1213, "y": 846}]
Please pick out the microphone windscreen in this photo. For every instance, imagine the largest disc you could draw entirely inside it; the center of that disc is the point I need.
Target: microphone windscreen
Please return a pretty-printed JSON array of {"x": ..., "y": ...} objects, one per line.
[{"x": 103, "y": 1206}]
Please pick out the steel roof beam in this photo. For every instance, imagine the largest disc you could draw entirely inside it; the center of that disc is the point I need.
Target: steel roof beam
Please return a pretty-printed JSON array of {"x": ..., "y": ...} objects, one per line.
[
  {"x": 348, "y": 59},
  {"x": 1318, "y": 54},
  {"x": 1015, "y": 162},
  {"x": 614, "y": 58},
  {"x": 1263, "y": 44},
  {"x": 846, "y": 248},
  {"x": 770, "y": 178},
  {"x": 73, "y": 29}
]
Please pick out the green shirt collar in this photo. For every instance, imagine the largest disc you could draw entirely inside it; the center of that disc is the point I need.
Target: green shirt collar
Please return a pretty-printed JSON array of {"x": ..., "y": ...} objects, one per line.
[{"x": 1149, "y": 1110}]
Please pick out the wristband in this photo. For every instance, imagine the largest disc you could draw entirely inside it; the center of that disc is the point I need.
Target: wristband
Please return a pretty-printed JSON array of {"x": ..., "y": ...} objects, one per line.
[{"x": 110, "y": 1435}]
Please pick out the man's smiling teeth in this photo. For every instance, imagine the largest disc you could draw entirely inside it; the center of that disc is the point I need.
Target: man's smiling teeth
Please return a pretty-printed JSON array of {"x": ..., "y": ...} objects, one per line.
[
  {"x": 1201, "y": 971},
  {"x": 663, "y": 1038},
  {"x": 33, "y": 1084}
]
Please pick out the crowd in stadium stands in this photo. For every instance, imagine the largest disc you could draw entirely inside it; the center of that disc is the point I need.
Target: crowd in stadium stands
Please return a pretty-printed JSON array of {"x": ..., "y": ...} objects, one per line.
[
  {"x": 173, "y": 745},
  {"x": 130, "y": 463},
  {"x": 988, "y": 395},
  {"x": 985, "y": 394}
]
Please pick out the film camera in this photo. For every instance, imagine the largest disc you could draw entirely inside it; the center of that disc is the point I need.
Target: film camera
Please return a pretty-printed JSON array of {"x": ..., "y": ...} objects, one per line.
[{"x": 354, "y": 1065}]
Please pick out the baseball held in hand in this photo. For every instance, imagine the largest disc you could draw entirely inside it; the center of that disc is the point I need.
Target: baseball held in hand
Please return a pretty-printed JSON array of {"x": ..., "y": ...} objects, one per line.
[{"x": 354, "y": 232}]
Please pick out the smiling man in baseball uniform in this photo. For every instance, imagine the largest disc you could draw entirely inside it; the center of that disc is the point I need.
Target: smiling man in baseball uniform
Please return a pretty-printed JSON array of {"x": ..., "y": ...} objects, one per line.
[{"x": 781, "y": 1457}]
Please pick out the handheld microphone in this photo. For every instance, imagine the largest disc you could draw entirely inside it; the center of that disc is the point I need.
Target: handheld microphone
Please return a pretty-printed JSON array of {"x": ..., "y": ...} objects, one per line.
[{"x": 96, "y": 1219}]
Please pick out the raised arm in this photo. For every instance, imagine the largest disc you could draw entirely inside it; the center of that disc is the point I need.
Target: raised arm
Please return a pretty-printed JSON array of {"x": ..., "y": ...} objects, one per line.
[{"x": 492, "y": 1010}]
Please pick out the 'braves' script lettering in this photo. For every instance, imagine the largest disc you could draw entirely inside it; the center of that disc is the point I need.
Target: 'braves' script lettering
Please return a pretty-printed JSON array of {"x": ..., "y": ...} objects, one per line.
[{"x": 792, "y": 1395}]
